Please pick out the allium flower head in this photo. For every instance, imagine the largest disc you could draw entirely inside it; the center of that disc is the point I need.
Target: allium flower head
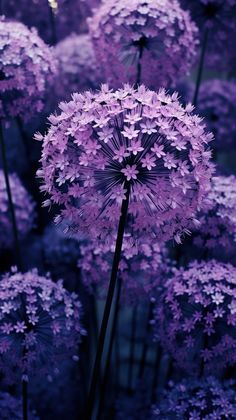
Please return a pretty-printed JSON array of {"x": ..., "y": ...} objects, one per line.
[
  {"x": 11, "y": 408},
  {"x": 218, "y": 18},
  {"x": 217, "y": 229},
  {"x": 217, "y": 105},
  {"x": 196, "y": 316},
  {"x": 103, "y": 145},
  {"x": 206, "y": 399},
  {"x": 40, "y": 324},
  {"x": 26, "y": 65},
  {"x": 24, "y": 210},
  {"x": 141, "y": 270},
  {"x": 77, "y": 67},
  {"x": 156, "y": 32}
]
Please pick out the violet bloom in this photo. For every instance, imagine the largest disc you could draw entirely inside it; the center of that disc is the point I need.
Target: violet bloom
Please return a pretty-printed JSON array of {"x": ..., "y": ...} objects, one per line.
[
  {"x": 11, "y": 408},
  {"x": 216, "y": 104},
  {"x": 217, "y": 230},
  {"x": 196, "y": 316},
  {"x": 217, "y": 17},
  {"x": 207, "y": 399},
  {"x": 154, "y": 35},
  {"x": 24, "y": 210},
  {"x": 142, "y": 269},
  {"x": 103, "y": 144},
  {"x": 26, "y": 66},
  {"x": 40, "y": 324},
  {"x": 77, "y": 66}
]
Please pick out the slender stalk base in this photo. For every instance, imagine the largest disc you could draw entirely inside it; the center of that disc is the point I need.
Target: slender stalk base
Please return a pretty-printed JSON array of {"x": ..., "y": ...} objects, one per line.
[
  {"x": 201, "y": 66},
  {"x": 108, "y": 304},
  {"x": 53, "y": 25},
  {"x": 9, "y": 195},
  {"x": 25, "y": 400},
  {"x": 139, "y": 67},
  {"x": 132, "y": 348},
  {"x": 108, "y": 361}
]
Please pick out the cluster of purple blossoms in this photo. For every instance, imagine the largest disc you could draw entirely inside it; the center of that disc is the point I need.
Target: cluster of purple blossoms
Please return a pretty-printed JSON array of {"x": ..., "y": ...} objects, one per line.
[
  {"x": 154, "y": 35},
  {"x": 196, "y": 316},
  {"x": 217, "y": 105},
  {"x": 206, "y": 399},
  {"x": 108, "y": 145},
  {"x": 26, "y": 66},
  {"x": 40, "y": 324},
  {"x": 216, "y": 21},
  {"x": 77, "y": 67},
  {"x": 149, "y": 258},
  {"x": 24, "y": 210},
  {"x": 217, "y": 229}
]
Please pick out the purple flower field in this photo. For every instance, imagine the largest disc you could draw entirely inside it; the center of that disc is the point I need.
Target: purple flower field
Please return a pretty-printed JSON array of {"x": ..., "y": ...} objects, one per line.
[{"x": 117, "y": 210}]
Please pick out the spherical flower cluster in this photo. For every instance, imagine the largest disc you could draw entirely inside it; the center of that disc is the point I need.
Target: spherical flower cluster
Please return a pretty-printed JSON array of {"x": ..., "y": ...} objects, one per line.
[
  {"x": 40, "y": 324},
  {"x": 26, "y": 65},
  {"x": 104, "y": 146},
  {"x": 217, "y": 17},
  {"x": 150, "y": 258},
  {"x": 11, "y": 408},
  {"x": 196, "y": 316},
  {"x": 153, "y": 34},
  {"x": 77, "y": 67},
  {"x": 217, "y": 229},
  {"x": 207, "y": 399},
  {"x": 24, "y": 210},
  {"x": 217, "y": 105}
]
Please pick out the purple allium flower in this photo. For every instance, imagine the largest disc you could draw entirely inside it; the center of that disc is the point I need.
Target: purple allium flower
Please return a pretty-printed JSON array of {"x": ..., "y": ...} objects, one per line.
[
  {"x": 11, "y": 408},
  {"x": 207, "y": 399},
  {"x": 196, "y": 316},
  {"x": 217, "y": 229},
  {"x": 26, "y": 65},
  {"x": 40, "y": 324},
  {"x": 104, "y": 143},
  {"x": 78, "y": 68},
  {"x": 158, "y": 34},
  {"x": 149, "y": 258},
  {"x": 24, "y": 210},
  {"x": 217, "y": 105},
  {"x": 218, "y": 18}
]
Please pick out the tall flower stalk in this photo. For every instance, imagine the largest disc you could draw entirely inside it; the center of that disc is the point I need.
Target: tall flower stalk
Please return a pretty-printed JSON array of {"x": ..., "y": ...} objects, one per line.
[
  {"x": 201, "y": 66},
  {"x": 108, "y": 304}
]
